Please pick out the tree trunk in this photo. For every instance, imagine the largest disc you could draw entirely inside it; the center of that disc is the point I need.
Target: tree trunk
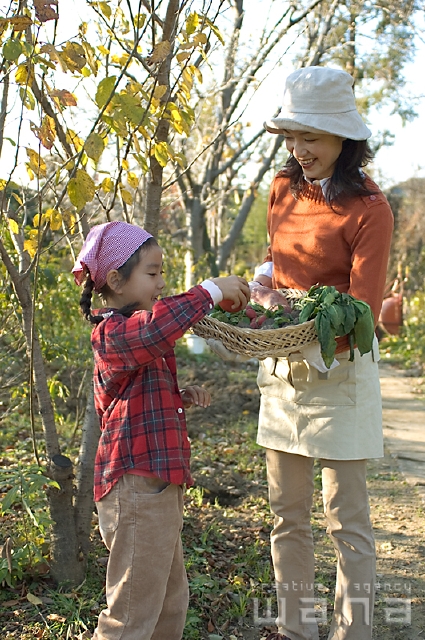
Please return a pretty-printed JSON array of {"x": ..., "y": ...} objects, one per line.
[
  {"x": 84, "y": 504},
  {"x": 67, "y": 564},
  {"x": 154, "y": 185}
]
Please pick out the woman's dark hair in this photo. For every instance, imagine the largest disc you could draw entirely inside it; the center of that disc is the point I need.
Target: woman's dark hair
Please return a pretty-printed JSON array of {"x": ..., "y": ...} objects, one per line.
[
  {"x": 347, "y": 179},
  {"x": 125, "y": 272}
]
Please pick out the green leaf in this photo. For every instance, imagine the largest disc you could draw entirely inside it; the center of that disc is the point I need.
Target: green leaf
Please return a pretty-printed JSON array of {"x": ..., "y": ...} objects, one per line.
[
  {"x": 12, "y": 496},
  {"x": 326, "y": 335},
  {"x": 94, "y": 146},
  {"x": 336, "y": 316},
  {"x": 81, "y": 189},
  {"x": 364, "y": 331},
  {"x": 104, "y": 90},
  {"x": 306, "y": 311},
  {"x": 350, "y": 317},
  {"x": 12, "y": 49}
]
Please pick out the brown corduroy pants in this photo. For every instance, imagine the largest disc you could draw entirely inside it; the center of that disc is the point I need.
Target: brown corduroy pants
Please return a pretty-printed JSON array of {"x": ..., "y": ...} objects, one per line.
[
  {"x": 346, "y": 506},
  {"x": 147, "y": 594}
]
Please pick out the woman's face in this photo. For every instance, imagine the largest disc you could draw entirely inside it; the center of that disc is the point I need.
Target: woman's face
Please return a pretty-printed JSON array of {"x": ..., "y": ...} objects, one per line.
[{"x": 317, "y": 153}]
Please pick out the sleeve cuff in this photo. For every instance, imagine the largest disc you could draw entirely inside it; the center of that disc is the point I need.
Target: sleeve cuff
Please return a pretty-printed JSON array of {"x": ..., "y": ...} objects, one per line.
[
  {"x": 214, "y": 291},
  {"x": 265, "y": 269}
]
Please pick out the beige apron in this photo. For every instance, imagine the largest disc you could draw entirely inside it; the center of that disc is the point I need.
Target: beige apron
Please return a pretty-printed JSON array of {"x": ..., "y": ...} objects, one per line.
[{"x": 335, "y": 415}]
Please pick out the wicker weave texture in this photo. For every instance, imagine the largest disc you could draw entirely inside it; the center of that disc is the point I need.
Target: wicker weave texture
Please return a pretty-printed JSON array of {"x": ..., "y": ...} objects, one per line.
[{"x": 258, "y": 343}]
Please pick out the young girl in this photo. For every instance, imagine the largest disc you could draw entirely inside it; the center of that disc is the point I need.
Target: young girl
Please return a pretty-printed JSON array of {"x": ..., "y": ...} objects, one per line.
[
  {"x": 329, "y": 224},
  {"x": 142, "y": 461}
]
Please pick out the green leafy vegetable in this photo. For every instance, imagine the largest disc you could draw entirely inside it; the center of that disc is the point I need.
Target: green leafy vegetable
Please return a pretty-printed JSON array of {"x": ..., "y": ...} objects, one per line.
[{"x": 337, "y": 314}]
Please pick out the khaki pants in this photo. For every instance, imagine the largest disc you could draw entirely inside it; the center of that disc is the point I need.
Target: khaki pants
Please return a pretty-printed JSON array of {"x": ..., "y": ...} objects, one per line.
[
  {"x": 147, "y": 592},
  {"x": 346, "y": 507}
]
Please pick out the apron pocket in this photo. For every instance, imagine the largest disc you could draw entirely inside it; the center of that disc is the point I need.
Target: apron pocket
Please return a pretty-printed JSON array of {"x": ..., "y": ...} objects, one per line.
[{"x": 294, "y": 380}]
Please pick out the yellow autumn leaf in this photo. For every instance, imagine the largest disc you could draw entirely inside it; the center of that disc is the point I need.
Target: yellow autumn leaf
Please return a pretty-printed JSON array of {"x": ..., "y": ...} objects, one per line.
[
  {"x": 144, "y": 133},
  {"x": 132, "y": 180},
  {"x": 187, "y": 76},
  {"x": 107, "y": 185},
  {"x": 136, "y": 143},
  {"x": 176, "y": 115},
  {"x": 63, "y": 98},
  {"x": 160, "y": 52},
  {"x": 36, "y": 220},
  {"x": 103, "y": 49},
  {"x": 160, "y": 90},
  {"x": 74, "y": 139},
  {"x": 105, "y": 9},
  {"x": 182, "y": 56},
  {"x": 18, "y": 198},
  {"x": 54, "y": 218},
  {"x": 126, "y": 196},
  {"x": 14, "y": 227},
  {"x": 70, "y": 220},
  {"x": 31, "y": 247},
  {"x": 24, "y": 74},
  {"x": 81, "y": 189},
  {"x": 46, "y": 133},
  {"x": 36, "y": 163},
  {"x": 3, "y": 184},
  {"x": 192, "y": 23},
  {"x": 73, "y": 56},
  {"x": 121, "y": 60},
  {"x": 54, "y": 56},
  {"x": 200, "y": 38},
  {"x": 160, "y": 150},
  {"x": 196, "y": 72},
  {"x": 125, "y": 165},
  {"x": 139, "y": 20}
]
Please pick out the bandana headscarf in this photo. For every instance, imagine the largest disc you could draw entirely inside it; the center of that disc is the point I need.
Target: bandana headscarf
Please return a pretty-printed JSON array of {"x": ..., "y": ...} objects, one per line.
[{"x": 107, "y": 246}]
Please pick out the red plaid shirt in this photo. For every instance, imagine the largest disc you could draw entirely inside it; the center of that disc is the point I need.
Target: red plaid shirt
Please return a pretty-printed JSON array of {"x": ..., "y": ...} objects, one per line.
[{"x": 136, "y": 393}]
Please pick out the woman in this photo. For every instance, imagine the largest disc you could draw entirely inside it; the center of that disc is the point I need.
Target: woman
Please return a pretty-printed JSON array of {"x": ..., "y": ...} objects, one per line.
[{"x": 329, "y": 224}]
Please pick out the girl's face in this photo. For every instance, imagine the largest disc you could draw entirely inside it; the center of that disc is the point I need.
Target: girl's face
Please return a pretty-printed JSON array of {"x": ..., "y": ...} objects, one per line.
[
  {"x": 144, "y": 285},
  {"x": 317, "y": 153}
]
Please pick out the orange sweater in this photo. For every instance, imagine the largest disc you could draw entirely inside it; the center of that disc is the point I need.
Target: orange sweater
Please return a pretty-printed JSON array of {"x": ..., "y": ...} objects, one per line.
[{"x": 348, "y": 248}]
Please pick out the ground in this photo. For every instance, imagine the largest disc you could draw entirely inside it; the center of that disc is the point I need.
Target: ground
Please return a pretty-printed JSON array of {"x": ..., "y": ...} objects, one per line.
[{"x": 226, "y": 535}]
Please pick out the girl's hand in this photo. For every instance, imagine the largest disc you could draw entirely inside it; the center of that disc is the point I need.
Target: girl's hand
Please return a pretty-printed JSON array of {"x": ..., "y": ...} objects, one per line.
[
  {"x": 195, "y": 395},
  {"x": 234, "y": 288}
]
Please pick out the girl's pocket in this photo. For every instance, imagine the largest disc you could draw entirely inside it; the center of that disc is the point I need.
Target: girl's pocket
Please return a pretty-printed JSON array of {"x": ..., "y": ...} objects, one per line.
[{"x": 108, "y": 510}]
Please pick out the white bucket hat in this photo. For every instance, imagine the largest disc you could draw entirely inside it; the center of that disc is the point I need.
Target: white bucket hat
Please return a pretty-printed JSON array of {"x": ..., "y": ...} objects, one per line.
[{"x": 320, "y": 99}]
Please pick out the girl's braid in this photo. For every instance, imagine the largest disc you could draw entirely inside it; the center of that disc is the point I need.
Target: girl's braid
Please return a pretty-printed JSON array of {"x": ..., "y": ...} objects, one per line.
[{"x": 85, "y": 301}]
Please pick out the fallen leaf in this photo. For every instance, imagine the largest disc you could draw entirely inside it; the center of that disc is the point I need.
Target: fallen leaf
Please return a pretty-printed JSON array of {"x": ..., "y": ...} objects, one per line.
[{"x": 34, "y": 599}]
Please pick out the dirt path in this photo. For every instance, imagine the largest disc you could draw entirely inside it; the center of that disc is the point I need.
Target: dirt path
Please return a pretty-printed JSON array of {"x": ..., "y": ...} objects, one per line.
[{"x": 404, "y": 423}]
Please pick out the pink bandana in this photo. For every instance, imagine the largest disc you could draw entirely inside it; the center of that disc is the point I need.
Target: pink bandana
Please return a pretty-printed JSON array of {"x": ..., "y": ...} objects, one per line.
[{"x": 107, "y": 246}]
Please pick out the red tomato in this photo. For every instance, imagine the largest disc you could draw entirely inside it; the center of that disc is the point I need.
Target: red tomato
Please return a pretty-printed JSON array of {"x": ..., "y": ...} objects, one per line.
[{"x": 226, "y": 305}]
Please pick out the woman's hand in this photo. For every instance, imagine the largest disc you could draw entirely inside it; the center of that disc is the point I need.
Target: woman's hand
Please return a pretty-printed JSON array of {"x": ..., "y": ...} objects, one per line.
[
  {"x": 195, "y": 395},
  {"x": 234, "y": 288},
  {"x": 268, "y": 298}
]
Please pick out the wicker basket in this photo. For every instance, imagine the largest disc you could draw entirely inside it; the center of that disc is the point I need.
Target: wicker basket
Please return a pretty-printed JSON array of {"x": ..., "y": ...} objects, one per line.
[{"x": 259, "y": 343}]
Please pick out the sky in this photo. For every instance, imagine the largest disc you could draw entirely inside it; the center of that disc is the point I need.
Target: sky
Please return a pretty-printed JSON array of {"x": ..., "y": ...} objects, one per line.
[{"x": 393, "y": 164}]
